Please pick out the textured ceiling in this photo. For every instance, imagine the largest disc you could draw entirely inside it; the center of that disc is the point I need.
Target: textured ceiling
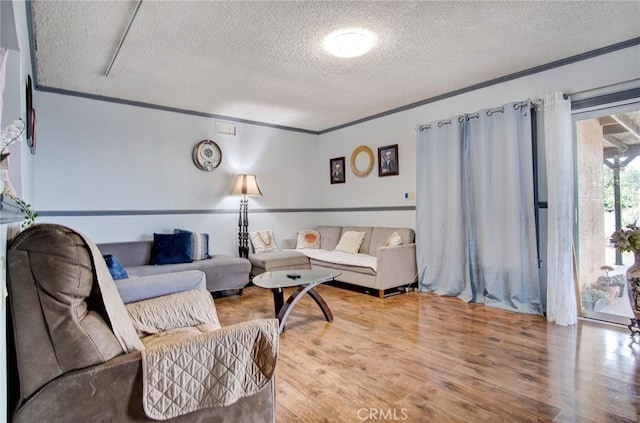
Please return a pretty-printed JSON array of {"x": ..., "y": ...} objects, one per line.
[{"x": 263, "y": 60}]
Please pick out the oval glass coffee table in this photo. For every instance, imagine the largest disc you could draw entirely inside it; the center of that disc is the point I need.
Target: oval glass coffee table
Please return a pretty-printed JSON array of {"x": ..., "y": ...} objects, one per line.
[{"x": 305, "y": 280}]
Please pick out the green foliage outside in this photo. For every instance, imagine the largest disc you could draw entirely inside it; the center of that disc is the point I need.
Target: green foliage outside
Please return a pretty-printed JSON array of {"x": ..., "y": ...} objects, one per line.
[
  {"x": 591, "y": 295},
  {"x": 629, "y": 188}
]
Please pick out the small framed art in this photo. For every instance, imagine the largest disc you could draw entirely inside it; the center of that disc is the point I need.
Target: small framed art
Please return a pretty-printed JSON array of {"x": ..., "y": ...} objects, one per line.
[
  {"x": 31, "y": 117},
  {"x": 388, "y": 160},
  {"x": 336, "y": 167}
]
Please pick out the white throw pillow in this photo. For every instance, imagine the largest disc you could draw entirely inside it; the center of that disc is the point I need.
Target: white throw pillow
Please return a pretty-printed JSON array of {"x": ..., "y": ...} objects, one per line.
[
  {"x": 393, "y": 240},
  {"x": 263, "y": 241},
  {"x": 308, "y": 238},
  {"x": 350, "y": 242}
]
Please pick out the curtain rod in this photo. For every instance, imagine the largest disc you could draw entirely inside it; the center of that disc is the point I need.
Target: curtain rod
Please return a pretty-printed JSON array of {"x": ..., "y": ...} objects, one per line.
[
  {"x": 468, "y": 116},
  {"x": 539, "y": 102},
  {"x": 566, "y": 96}
]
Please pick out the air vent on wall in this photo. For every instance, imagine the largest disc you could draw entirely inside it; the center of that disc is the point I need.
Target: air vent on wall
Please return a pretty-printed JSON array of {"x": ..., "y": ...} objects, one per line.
[{"x": 225, "y": 128}]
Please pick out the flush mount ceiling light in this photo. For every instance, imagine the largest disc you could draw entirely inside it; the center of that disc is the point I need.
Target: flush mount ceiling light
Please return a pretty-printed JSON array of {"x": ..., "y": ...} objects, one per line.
[{"x": 349, "y": 42}]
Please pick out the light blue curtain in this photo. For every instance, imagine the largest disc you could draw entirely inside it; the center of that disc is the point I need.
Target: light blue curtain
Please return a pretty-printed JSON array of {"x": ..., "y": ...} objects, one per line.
[
  {"x": 475, "y": 215},
  {"x": 440, "y": 228}
]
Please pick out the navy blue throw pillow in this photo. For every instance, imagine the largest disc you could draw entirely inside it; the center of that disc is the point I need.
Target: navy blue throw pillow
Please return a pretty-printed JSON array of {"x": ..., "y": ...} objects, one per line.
[
  {"x": 199, "y": 244},
  {"x": 115, "y": 268},
  {"x": 171, "y": 248}
]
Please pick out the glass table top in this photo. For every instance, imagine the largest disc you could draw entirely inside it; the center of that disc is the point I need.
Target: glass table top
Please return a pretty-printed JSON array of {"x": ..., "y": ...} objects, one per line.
[{"x": 279, "y": 279}]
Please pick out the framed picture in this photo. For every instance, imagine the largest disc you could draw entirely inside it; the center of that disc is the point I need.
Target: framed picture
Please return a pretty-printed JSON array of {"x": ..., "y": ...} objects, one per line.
[
  {"x": 31, "y": 118},
  {"x": 388, "y": 160},
  {"x": 336, "y": 168}
]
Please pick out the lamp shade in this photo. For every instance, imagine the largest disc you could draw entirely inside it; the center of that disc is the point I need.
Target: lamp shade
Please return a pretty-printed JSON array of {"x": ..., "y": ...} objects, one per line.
[{"x": 245, "y": 185}]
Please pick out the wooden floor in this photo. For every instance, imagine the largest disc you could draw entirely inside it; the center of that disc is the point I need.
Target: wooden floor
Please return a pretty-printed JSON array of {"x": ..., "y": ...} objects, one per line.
[{"x": 417, "y": 357}]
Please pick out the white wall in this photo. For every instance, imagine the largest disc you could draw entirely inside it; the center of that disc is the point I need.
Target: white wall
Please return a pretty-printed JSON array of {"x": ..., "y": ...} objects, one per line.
[
  {"x": 96, "y": 156},
  {"x": 399, "y": 128}
]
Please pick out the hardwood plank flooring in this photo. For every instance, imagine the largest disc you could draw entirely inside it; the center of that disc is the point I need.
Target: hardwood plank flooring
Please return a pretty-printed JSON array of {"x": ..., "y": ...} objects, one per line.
[{"x": 418, "y": 357}]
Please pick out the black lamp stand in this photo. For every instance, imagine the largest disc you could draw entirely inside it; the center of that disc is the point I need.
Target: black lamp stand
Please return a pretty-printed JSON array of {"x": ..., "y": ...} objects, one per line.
[{"x": 243, "y": 228}]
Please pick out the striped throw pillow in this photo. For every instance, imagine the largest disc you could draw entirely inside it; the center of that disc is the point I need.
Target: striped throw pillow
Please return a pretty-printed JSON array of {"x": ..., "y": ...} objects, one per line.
[{"x": 199, "y": 244}]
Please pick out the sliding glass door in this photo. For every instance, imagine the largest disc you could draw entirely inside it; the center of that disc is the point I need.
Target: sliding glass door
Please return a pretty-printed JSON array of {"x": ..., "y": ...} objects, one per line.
[{"x": 608, "y": 197}]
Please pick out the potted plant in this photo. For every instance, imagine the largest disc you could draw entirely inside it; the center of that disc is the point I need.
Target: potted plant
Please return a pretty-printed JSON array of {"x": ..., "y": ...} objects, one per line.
[
  {"x": 8, "y": 136},
  {"x": 29, "y": 215},
  {"x": 593, "y": 299},
  {"x": 612, "y": 281},
  {"x": 628, "y": 240},
  {"x": 619, "y": 280}
]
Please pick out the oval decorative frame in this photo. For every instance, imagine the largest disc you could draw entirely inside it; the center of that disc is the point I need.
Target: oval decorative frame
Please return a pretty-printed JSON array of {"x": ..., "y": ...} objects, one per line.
[{"x": 354, "y": 169}]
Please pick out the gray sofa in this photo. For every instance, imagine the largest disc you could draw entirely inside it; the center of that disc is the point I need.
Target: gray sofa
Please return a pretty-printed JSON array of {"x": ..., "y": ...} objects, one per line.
[
  {"x": 222, "y": 273},
  {"x": 136, "y": 288},
  {"x": 396, "y": 266}
]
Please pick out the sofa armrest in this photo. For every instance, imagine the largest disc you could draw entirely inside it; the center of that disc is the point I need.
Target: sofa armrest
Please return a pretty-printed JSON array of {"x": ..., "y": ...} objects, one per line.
[
  {"x": 189, "y": 309},
  {"x": 288, "y": 244},
  {"x": 396, "y": 266},
  {"x": 112, "y": 392},
  {"x": 137, "y": 288},
  {"x": 232, "y": 363}
]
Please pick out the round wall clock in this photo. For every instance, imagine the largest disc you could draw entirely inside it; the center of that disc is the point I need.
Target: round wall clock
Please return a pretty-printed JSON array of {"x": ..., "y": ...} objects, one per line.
[{"x": 207, "y": 155}]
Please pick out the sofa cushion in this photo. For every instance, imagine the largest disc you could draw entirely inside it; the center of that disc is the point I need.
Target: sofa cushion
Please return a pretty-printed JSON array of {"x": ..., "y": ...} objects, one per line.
[
  {"x": 137, "y": 288},
  {"x": 329, "y": 236},
  {"x": 115, "y": 268},
  {"x": 308, "y": 238},
  {"x": 350, "y": 241},
  {"x": 342, "y": 267},
  {"x": 130, "y": 253},
  {"x": 364, "y": 247},
  {"x": 341, "y": 257},
  {"x": 171, "y": 248},
  {"x": 222, "y": 272},
  {"x": 199, "y": 244},
  {"x": 263, "y": 241},
  {"x": 279, "y": 259}
]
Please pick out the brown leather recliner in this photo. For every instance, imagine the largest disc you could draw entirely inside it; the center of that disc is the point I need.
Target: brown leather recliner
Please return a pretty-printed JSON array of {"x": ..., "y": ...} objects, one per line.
[{"x": 65, "y": 362}]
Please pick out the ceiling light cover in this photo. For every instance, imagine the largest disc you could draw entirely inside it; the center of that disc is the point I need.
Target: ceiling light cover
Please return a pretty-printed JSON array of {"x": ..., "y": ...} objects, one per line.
[{"x": 348, "y": 43}]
